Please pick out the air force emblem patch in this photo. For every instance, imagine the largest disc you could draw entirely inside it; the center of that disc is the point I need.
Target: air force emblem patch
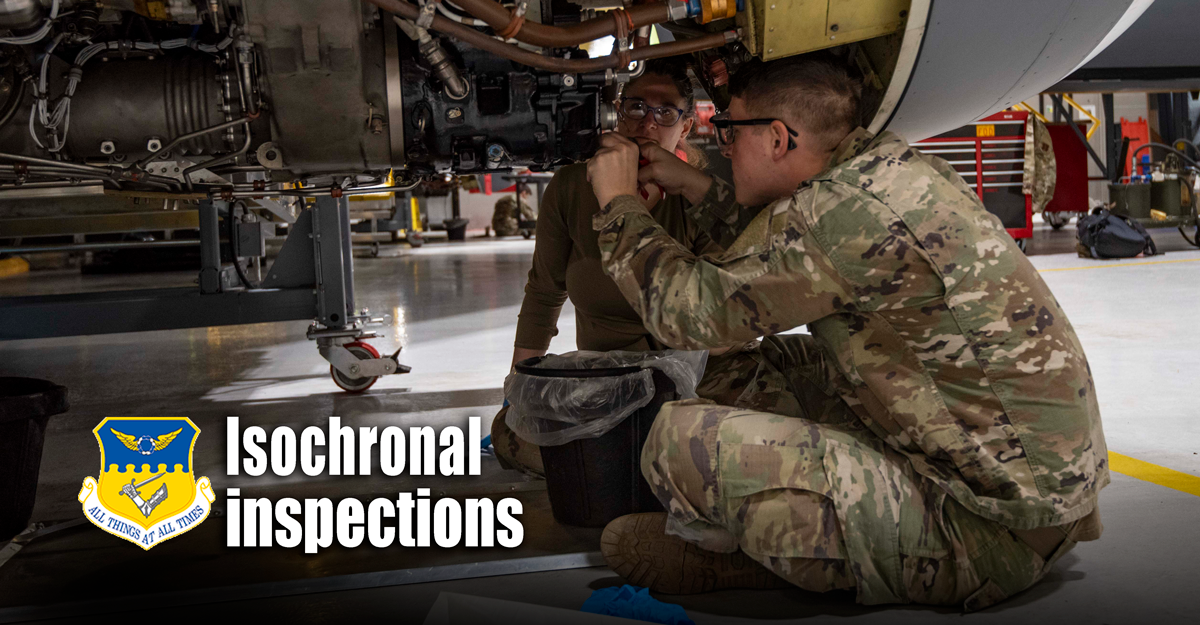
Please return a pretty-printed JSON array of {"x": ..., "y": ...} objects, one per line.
[{"x": 146, "y": 492}]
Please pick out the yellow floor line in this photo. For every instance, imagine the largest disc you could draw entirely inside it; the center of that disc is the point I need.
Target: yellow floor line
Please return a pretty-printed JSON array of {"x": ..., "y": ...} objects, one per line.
[
  {"x": 1142, "y": 470},
  {"x": 1151, "y": 262}
]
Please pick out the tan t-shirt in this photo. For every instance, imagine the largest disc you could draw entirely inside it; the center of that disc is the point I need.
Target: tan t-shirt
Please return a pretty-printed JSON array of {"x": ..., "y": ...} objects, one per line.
[{"x": 566, "y": 263}]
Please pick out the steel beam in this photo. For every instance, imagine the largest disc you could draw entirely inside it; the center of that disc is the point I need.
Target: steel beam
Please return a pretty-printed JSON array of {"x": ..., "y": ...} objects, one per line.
[
  {"x": 334, "y": 261},
  {"x": 210, "y": 248},
  {"x": 113, "y": 223},
  {"x": 152, "y": 309}
]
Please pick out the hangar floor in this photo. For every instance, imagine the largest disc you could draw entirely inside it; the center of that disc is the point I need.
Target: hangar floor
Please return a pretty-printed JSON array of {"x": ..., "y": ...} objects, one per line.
[{"x": 454, "y": 309}]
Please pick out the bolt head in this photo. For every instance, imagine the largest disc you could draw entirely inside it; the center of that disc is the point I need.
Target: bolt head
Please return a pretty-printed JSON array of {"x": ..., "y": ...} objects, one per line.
[
  {"x": 107, "y": 147},
  {"x": 354, "y": 369}
]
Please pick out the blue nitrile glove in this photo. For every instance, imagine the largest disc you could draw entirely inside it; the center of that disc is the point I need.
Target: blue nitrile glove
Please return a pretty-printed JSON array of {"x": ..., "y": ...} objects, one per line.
[{"x": 635, "y": 603}]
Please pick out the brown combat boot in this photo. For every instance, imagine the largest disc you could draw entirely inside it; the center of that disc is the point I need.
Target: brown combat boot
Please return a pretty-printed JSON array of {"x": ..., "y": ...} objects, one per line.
[
  {"x": 514, "y": 453},
  {"x": 637, "y": 547}
]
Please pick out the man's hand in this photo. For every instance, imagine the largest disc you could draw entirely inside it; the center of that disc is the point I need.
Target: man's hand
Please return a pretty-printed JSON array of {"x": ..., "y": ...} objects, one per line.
[
  {"x": 613, "y": 170},
  {"x": 673, "y": 175}
]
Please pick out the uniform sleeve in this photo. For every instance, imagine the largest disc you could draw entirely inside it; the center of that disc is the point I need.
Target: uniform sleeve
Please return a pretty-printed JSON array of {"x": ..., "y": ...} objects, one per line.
[
  {"x": 719, "y": 214},
  {"x": 546, "y": 288},
  {"x": 773, "y": 278}
]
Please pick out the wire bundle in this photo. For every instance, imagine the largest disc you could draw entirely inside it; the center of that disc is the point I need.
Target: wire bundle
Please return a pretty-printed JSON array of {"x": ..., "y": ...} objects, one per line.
[
  {"x": 52, "y": 119},
  {"x": 38, "y": 34}
]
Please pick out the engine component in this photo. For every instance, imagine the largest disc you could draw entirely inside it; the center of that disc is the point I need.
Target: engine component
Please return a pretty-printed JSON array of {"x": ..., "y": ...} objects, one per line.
[
  {"x": 21, "y": 14},
  {"x": 443, "y": 68},
  {"x": 130, "y": 103},
  {"x": 323, "y": 75},
  {"x": 510, "y": 117},
  {"x": 269, "y": 156},
  {"x": 234, "y": 97}
]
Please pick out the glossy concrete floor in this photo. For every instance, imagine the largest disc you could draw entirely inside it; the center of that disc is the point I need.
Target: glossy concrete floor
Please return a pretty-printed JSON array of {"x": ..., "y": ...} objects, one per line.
[{"x": 453, "y": 308}]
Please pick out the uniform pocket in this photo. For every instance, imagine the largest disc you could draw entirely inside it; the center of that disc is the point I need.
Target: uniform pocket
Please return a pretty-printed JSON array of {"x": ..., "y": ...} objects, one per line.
[
  {"x": 776, "y": 500},
  {"x": 868, "y": 492}
]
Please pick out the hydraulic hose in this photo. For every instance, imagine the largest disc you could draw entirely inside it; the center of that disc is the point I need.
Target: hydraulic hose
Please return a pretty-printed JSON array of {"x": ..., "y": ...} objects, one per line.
[
  {"x": 500, "y": 18},
  {"x": 1168, "y": 148},
  {"x": 554, "y": 64},
  {"x": 15, "y": 97}
]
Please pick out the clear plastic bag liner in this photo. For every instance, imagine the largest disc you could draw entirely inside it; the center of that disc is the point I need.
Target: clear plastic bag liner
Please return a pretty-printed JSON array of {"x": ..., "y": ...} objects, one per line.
[{"x": 553, "y": 411}]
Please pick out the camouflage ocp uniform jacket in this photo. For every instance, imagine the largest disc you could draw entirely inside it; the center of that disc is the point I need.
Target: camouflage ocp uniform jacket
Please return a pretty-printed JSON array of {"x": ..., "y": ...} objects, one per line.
[
  {"x": 952, "y": 348},
  {"x": 1040, "y": 173}
]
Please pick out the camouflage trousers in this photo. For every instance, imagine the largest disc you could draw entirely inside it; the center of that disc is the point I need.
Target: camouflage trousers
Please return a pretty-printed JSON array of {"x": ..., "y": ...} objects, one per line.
[{"x": 787, "y": 474}]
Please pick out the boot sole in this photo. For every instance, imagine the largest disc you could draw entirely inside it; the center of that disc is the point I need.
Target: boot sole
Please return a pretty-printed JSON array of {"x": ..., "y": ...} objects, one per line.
[{"x": 638, "y": 549}]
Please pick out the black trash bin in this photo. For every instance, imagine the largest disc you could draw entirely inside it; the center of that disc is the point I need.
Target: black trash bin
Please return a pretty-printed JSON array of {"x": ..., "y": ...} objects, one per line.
[
  {"x": 592, "y": 481},
  {"x": 26, "y": 405}
]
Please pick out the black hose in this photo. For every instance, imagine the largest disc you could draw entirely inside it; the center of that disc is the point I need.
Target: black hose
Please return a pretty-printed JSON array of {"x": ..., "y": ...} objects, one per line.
[
  {"x": 237, "y": 264},
  {"x": 13, "y": 103},
  {"x": 1164, "y": 147}
]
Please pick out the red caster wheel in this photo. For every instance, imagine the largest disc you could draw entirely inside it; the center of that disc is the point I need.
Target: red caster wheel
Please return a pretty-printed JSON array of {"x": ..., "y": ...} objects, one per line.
[{"x": 362, "y": 351}]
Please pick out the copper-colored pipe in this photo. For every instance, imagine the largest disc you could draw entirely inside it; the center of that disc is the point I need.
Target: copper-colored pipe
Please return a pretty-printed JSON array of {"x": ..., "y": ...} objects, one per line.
[
  {"x": 554, "y": 64},
  {"x": 537, "y": 34}
]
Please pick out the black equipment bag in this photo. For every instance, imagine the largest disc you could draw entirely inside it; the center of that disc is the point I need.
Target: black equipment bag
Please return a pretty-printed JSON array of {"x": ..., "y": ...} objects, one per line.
[{"x": 1103, "y": 234}]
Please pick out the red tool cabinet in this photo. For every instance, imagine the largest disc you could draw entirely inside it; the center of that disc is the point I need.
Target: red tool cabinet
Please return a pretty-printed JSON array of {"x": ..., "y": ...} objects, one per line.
[{"x": 990, "y": 156}]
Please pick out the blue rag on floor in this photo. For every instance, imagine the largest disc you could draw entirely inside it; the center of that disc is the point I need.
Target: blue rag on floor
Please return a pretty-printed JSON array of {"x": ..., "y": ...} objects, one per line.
[{"x": 634, "y": 602}]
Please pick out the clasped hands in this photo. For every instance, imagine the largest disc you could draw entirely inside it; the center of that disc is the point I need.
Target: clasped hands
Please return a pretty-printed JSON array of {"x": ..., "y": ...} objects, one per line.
[{"x": 613, "y": 171}]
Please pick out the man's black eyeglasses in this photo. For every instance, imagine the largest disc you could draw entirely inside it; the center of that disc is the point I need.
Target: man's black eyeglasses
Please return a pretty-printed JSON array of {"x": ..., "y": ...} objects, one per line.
[
  {"x": 727, "y": 128},
  {"x": 637, "y": 110}
]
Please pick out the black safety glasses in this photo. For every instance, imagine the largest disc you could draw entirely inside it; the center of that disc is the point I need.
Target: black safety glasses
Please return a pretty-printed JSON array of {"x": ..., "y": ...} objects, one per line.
[{"x": 727, "y": 128}]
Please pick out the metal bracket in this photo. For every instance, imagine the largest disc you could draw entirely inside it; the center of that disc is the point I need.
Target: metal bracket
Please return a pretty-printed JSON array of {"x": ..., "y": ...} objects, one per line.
[
  {"x": 349, "y": 364},
  {"x": 274, "y": 207}
]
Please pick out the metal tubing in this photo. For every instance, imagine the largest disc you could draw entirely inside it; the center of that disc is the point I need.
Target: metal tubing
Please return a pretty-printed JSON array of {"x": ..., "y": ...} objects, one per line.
[
  {"x": 537, "y": 34},
  {"x": 58, "y": 164},
  {"x": 192, "y": 135},
  {"x": 187, "y": 173},
  {"x": 306, "y": 192},
  {"x": 210, "y": 248},
  {"x": 575, "y": 66}
]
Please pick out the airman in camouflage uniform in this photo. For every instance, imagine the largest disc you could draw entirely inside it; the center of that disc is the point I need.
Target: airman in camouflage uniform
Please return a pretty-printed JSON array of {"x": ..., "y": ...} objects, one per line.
[
  {"x": 935, "y": 440},
  {"x": 509, "y": 212}
]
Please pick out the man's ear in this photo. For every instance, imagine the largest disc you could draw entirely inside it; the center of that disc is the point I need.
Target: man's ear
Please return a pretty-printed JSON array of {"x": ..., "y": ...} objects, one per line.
[{"x": 780, "y": 140}]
